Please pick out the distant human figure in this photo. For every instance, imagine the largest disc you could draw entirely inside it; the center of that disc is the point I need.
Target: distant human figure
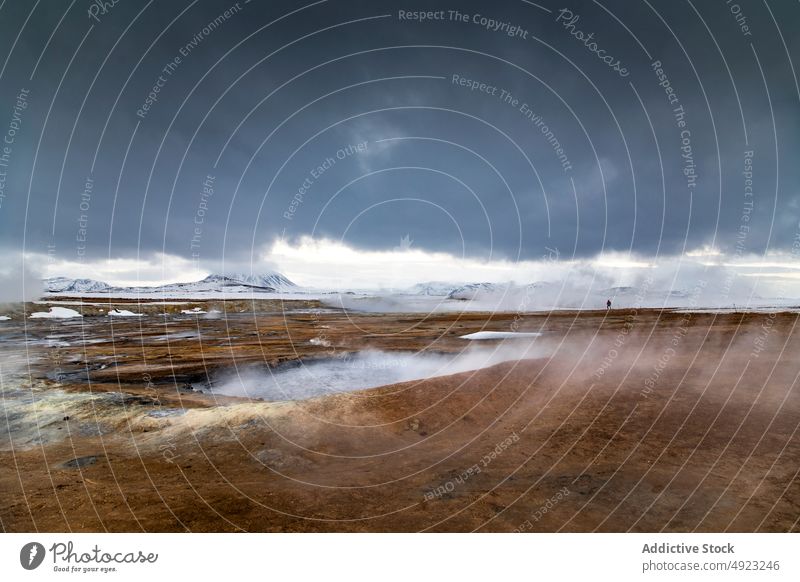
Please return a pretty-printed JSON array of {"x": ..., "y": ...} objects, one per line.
[{"x": 608, "y": 304}]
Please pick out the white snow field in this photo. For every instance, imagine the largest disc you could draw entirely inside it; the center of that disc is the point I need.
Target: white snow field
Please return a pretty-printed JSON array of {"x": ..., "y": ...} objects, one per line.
[{"x": 56, "y": 313}]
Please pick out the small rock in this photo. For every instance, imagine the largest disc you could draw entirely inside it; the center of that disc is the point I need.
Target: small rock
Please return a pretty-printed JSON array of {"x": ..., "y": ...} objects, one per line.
[
  {"x": 80, "y": 462},
  {"x": 272, "y": 457},
  {"x": 278, "y": 460}
]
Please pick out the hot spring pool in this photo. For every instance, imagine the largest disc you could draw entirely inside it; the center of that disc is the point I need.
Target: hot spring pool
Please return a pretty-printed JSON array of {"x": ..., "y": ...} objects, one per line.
[{"x": 357, "y": 372}]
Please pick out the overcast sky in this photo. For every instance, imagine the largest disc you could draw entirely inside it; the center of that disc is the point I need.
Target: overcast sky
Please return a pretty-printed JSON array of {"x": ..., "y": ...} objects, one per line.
[{"x": 209, "y": 131}]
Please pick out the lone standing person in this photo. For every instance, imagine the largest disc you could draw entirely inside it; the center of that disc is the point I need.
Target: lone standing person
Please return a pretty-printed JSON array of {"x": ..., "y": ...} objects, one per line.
[{"x": 608, "y": 304}]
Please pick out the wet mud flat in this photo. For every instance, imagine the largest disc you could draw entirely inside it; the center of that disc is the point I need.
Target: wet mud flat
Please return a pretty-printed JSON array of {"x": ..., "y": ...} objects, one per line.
[{"x": 624, "y": 421}]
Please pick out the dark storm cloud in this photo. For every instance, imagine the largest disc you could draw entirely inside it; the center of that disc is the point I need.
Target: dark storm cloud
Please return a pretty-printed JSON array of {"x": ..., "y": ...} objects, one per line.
[{"x": 583, "y": 156}]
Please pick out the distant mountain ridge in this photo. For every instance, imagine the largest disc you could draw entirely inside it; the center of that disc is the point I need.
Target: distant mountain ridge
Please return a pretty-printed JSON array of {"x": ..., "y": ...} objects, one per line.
[
  {"x": 433, "y": 288},
  {"x": 233, "y": 283},
  {"x": 66, "y": 285},
  {"x": 275, "y": 279},
  {"x": 472, "y": 291}
]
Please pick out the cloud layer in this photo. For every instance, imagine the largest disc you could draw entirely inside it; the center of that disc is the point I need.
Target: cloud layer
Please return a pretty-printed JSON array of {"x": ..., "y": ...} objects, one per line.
[{"x": 205, "y": 131}]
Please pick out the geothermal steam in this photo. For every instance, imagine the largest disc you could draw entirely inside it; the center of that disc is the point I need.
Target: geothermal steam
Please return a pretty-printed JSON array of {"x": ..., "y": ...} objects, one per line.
[{"x": 365, "y": 370}]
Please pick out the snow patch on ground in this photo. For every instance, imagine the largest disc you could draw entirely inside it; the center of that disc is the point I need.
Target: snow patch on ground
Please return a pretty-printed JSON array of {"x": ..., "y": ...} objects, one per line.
[
  {"x": 124, "y": 313},
  {"x": 56, "y": 313},
  {"x": 493, "y": 335}
]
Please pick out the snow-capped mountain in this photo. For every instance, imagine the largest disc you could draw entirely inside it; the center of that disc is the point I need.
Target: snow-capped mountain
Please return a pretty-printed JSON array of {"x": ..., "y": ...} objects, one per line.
[
  {"x": 234, "y": 283},
  {"x": 268, "y": 283},
  {"x": 275, "y": 280},
  {"x": 433, "y": 288},
  {"x": 65, "y": 285},
  {"x": 472, "y": 291}
]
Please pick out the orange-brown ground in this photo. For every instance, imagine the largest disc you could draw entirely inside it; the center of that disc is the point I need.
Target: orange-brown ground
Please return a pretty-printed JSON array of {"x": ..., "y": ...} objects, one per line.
[{"x": 706, "y": 440}]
